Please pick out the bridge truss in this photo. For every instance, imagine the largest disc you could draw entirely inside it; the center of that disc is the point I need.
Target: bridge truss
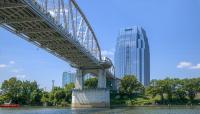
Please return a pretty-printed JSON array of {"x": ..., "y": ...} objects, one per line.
[{"x": 58, "y": 26}]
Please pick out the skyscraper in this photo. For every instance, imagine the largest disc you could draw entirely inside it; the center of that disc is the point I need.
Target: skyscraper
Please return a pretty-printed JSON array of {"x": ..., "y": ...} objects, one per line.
[
  {"x": 68, "y": 78},
  {"x": 132, "y": 55}
]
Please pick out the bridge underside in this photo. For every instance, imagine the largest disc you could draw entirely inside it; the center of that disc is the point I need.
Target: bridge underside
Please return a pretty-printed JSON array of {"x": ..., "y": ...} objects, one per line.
[{"x": 39, "y": 28}]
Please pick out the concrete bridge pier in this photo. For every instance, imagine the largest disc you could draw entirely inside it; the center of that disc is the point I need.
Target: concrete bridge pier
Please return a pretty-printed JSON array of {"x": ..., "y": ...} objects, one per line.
[
  {"x": 114, "y": 86},
  {"x": 87, "y": 98},
  {"x": 79, "y": 79},
  {"x": 101, "y": 79}
]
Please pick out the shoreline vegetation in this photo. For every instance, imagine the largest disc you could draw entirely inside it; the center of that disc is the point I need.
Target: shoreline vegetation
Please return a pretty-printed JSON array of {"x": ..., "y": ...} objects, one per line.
[{"x": 168, "y": 92}]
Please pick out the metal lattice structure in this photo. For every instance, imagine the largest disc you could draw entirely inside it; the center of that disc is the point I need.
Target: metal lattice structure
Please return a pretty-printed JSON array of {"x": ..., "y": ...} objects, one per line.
[
  {"x": 58, "y": 26},
  {"x": 68, "y": 14}
]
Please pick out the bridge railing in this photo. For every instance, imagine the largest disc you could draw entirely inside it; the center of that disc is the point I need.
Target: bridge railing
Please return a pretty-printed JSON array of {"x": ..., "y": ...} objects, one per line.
[
  {"x": 68, "y": 15},
  {"x": 111, "y": 68}
]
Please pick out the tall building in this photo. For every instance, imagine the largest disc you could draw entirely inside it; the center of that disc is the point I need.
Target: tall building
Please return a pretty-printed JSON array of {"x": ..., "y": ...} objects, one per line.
[
  {"x": 132, "y": 55},
  {"x": 68, "y": 78}
]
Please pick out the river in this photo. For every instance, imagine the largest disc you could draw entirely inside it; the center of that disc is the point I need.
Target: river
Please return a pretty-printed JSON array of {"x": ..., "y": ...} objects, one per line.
[{"x": 130, "y": 110}]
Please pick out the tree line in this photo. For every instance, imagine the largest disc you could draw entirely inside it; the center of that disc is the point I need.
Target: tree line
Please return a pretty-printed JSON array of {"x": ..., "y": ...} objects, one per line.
[
  {"x": 175, "y": 91},
  {"x": 167, "y": 91},
  {"x": 131, "y": 91},
  {"x": 28, "y": 93}
]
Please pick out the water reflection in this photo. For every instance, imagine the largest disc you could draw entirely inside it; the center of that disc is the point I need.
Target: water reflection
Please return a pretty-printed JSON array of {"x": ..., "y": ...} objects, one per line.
[{"x": 132, "y": 110}]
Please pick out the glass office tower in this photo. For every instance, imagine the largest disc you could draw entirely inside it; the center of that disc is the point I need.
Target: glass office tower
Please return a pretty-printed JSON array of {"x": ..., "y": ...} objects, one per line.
[
  {"x": 68, "y": 78},
  {"x": 71, "y": 77},
  {"x": 132, "y": 55}
]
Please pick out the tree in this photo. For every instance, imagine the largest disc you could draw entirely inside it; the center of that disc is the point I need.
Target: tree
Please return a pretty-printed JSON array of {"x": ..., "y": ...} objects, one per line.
[
  {"x": 68, "y": 89},
  {"x": 191, "y": 87},
  {"x": 21, "y": 92},
  {"x": 180, "y": 91},
  {"x": 28, "y": 91},
  {"x": 169, "y": 88},
  {"x": 129, "y": 85},
  {"x": 91, "y": 83},
  {"x": 11, "y": 89},
  {"x": 57, "y": 95},
  {"x": 45, "y": 98},
  {"x": 36, "y": 96},
  {"x": 179, "y": 88},
  {"x": 158, "y": 87}
]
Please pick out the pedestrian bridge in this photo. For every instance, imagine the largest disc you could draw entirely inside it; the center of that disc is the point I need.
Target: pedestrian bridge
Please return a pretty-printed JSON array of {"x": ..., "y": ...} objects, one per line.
[{"x": 61, "y": 28}]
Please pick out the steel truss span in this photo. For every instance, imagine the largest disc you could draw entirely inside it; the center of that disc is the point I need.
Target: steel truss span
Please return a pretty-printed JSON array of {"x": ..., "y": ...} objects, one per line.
[{"x": 58, "y": 26}]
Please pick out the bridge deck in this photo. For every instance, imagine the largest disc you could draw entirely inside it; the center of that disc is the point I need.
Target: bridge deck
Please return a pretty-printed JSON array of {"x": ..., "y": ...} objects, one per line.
[{"x": 30, "y": 21}]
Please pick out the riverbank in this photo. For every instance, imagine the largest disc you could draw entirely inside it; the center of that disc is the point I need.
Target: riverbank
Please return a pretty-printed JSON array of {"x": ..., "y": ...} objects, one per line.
[
  {"x": 117, "y": 106},
  {"x": 155, "y": 106}
]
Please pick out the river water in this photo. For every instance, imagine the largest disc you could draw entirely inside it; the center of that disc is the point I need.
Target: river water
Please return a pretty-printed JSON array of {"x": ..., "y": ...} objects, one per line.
[{"x": 131, "y": 110}]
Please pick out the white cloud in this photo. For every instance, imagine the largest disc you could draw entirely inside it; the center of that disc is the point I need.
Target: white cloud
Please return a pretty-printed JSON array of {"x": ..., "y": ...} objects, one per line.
[
  {"x": 184, "y": 64},
  {"x": 196, "y": 66},
  {"x": 3, "y": 65},
  {"x": 6, "y": 65},
  {"x": 12, "y": 62},
  {"x": 188, "y": 65}
]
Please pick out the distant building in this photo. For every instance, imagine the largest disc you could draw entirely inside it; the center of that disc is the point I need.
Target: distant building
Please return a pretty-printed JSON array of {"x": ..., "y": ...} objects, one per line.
[
  {"x": 68, "y": 78},
  {"x": 71, "y": 77},
  {"x": 53, "y": 84},
  {"x": 88, "y": 76},
  {"x": 132, "y": 55}
]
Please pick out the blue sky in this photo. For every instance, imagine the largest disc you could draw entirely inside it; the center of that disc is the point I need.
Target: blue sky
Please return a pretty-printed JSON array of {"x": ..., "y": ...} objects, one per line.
[{"x": 172, "y": 26}]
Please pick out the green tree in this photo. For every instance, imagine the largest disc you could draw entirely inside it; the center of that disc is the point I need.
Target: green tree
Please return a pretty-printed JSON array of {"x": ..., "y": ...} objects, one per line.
[
  {"x": 22, "y": 92},
  {"x": 68, "y": 89},
  {"x": 191, "y": 87},
  {"x": 91, "y": 83},
  {"x": 11, "y": 90},
  {"x": 36, "y": 96},
  {"x": 157, "y": 87},
  {"x": 45, "y": 98},
  {"x": 180, "y": 91},
  {"x": 129, "y": 85},
  {"x": 169, "y": 88},
  {"x": 57, "y": 96},
  {"x": 28, "y": 92}
]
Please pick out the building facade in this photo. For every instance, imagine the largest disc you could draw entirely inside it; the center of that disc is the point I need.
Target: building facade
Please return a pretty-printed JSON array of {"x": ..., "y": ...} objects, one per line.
[
  {"x": 132, "y": 56},
  {"x": 68, "y": 78}
]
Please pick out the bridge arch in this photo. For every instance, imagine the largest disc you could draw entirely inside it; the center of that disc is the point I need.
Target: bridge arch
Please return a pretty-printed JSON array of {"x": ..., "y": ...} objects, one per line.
[{"x": 69, "y": 15}]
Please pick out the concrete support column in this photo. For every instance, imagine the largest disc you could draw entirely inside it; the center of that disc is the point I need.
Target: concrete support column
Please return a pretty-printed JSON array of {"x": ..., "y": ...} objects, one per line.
[
  {"x": 79, "y": 80},
  {"x": 114, "y": 86},
  {"x": 102, "y": 79}
]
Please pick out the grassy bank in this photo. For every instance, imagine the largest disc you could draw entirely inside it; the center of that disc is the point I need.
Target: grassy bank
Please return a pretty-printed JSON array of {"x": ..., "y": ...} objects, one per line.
[{"x": 118, "y": 99}]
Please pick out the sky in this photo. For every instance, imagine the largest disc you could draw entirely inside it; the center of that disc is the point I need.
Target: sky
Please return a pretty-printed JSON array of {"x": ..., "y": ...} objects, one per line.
[{"x": 172, "y": 27}]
